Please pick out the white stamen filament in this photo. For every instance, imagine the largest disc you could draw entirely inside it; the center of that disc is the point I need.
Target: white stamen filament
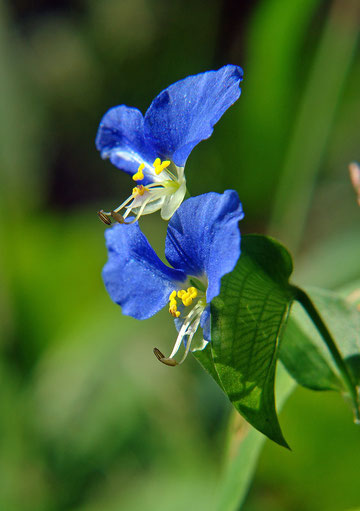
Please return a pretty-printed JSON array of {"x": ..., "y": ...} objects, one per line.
[
  {"x": 182, "y": 332},
  {"x": 142, "y": 207},
  {"x": 167, "y": 189},
  {"x": 157, "y": 190},
  {"x": 194, "y": 327},
  {"x": 188, "y": 328},
  {"x": 131, "y": 198}
]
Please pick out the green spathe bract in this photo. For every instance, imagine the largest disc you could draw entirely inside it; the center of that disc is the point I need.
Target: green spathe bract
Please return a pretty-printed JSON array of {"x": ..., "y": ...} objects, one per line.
[
  {"x": 248, "y": 320},
  {"x": 303, "y": 352}
]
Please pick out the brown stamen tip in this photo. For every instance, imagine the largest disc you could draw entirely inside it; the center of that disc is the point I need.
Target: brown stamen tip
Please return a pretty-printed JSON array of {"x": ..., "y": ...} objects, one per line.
[
  {"x": 167, "y": 361},
  {"x": 119, "y": 218},
  {"x": 104, "y": 217}
]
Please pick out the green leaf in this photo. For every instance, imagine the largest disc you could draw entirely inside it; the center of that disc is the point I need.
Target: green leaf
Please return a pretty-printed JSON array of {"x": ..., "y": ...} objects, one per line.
[
  {"x": 205, "y": 358},
  {"x": 247, "y": 320},
  {"x": 305, "y": 360},
  {"x": 303, "y": 351}
]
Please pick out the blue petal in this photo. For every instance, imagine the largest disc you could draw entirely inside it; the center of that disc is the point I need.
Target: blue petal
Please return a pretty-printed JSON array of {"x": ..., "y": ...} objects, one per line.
[
  {"x": 203, "y": 237},
  {"x": 205, "y": 324},
  {"x": 121, "y": 138},
  {"x": 184, "y": 114},
  {"x": 134, "y": 276}
]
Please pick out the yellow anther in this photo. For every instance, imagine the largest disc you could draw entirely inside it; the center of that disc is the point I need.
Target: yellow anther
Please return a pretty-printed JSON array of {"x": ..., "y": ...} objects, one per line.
[
  {"x": 186, "y": 296},
  {"x": 174, "y": 313},
  {"x": 139, "y": 190},
  {"x": 173, "y": 305},
  {"x": 160, "y": 166},
  {"x": 193, "y": 292},
  {"x": 173, "y": 310},
  {"x": 187, "y": 300},
  {"x": 139, "y": 174},
  {"x": 181, "y": 293}
]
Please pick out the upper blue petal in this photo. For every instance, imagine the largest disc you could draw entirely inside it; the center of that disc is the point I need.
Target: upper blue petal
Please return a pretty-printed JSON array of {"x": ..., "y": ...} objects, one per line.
[
  {"x": 184, "y": 114},
  {"x": 134, "y": 276},
  {"x": 121, "y": 138},
  {"x": 203, "y": 237}
]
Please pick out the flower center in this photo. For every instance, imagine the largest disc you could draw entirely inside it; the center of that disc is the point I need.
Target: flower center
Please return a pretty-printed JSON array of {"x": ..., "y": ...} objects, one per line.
[
  {"x": 145, "y": 199},
  {"x": 190, "y": 321},
  {"x": 186, "y": 296}
]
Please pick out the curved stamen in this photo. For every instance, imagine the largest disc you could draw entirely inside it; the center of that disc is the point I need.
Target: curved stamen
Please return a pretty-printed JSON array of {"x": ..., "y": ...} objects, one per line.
[
  {"x": 141, "y": 209},
  {"x": 105, "y": 215},
  {"x": 182, "y": 332},
  {"x": 194, "y": 327},
  {"x": 158, "y": 191},
  {"x": 167, "y": 361},
  {"x": 189, "y": 328},
  {"x": 119, "y": 208},
  {"x": 164, "y": 187},
  {"x": 117, "y": 217}
]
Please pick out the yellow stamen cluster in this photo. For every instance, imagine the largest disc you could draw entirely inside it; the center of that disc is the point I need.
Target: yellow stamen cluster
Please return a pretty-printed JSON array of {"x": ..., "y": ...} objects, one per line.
[
  {"x": 186, "y": 296},
  {"x": 173, "y": 305},
  {"x": 159, "y": 166},
  {"x": 139, "y": 174},
  {"x": 139, "y": 190}
]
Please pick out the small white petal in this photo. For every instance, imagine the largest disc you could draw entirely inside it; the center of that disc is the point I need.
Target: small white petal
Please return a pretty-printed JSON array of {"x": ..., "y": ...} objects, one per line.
[
  {"x": 199, "y": 345},
  {"x": 151, "y": 207},
  {"x": 172, "y": 202}
]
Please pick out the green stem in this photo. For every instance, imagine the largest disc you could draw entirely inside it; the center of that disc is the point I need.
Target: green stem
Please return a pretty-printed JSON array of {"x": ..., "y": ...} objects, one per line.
[{"x": 310, "y": 308}]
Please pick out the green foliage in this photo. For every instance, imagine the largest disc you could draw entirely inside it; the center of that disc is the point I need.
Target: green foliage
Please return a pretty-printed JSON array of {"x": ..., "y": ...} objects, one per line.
[
  {"x": 247, "y": 319},
  {"x": 248, "y": 323},
  {"x": 306, "y": 362},
  {"x": 303, "y": 352},
  {"x": 89, "y": 420}
]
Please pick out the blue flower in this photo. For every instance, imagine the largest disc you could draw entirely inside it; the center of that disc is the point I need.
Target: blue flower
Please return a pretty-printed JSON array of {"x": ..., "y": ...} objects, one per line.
[
  {"x": 154, "y": 148},
  {"x": 201, "y": 248}
]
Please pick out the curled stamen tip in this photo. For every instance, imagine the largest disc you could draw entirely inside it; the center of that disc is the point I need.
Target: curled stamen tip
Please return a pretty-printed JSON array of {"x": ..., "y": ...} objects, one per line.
[
  {"x": 167, "y": 361},
  {"x": 104, "y": 217},
  {"x": 119, "y": 218}
]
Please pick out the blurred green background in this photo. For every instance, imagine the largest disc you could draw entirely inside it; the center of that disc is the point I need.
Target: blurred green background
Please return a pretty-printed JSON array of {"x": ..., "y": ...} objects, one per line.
[{"x": 89, "y": 420}]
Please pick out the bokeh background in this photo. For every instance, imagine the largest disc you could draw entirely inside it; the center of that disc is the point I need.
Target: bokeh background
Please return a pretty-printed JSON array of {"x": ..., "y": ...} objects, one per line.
[{"x": 89, "y": 420}]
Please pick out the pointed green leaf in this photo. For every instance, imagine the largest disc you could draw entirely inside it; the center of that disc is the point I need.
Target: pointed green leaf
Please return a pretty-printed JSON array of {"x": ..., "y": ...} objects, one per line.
[
  {"x": 247, "y": 320},
  {"x": 307, "y": 362},
  {"x": 303, "y": 351}
]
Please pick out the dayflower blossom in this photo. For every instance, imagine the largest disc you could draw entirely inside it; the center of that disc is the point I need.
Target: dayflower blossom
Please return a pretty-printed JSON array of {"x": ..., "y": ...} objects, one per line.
[
  {"x": 201, "y": 249},
  {"x": 154, "y": 148}
]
